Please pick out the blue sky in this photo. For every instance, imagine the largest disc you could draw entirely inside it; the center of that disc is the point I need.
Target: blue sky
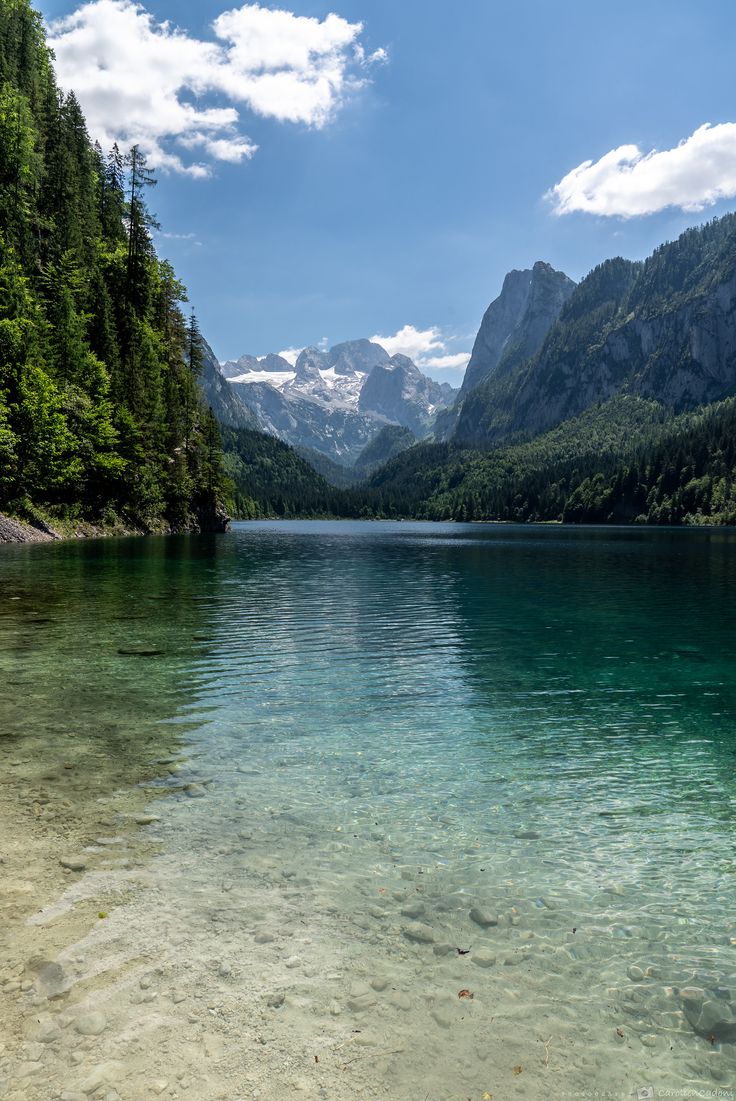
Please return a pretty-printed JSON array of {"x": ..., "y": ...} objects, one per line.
[{"x": 423, "y": 180}]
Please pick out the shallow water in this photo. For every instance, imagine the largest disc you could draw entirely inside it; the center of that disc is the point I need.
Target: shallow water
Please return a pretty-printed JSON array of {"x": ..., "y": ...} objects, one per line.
[{"x": 364, "y": 747}]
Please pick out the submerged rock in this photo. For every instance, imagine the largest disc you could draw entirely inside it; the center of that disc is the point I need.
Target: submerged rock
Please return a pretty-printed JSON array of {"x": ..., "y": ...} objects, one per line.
[
  {"x": 419, "y": 933},
  {"x": 73, "y": 863},
  {"x": 483, "y": 917},
  {"x": 708, "y": 1016},
  {"x": 91, "y": 1024}
]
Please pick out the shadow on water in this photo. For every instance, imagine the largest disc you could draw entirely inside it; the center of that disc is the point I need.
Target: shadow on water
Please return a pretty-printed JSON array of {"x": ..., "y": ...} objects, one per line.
[{"x": 97, "y": 644}]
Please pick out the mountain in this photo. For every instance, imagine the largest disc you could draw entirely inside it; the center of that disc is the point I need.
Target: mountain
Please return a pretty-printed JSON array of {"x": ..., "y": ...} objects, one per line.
[
  {"x": 664, "y": 329},
  {"x": 627, "y": 412},
  {"x": 335, "y": 474},
  {"x": 398, "y": 391},
  {"x": 230, "y": 410},
  {"x": 513, "y": 328},
  {"x": 336, "y": 401},
  {"x": 390, "y": 441},
  {"x": 516, "y": 323}
]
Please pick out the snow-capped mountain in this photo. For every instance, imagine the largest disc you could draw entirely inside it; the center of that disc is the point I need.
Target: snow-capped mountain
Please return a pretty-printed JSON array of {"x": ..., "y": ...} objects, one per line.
[{"x": 336, "y": 401}]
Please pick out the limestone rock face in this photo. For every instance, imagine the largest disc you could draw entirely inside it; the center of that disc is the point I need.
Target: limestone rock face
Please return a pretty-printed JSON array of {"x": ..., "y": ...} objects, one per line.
[
  {"x": 663, "y": 330},
  {"x": 516, "y": 323},
  {"x": 513, "y": 328}
]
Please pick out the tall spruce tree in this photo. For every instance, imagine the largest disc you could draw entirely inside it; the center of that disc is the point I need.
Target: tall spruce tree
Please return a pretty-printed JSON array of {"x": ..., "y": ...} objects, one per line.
[{"x": 100, "y": 411}]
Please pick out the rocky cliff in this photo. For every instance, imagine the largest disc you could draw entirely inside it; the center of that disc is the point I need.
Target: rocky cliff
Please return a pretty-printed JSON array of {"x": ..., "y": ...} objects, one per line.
[
  {"x": 664, "y": 329},
  {"x": 513, "y": 328}
]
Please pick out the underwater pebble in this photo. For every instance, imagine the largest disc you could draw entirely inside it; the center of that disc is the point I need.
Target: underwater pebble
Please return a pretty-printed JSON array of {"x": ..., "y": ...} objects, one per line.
[
  {"x": 103, "y": 1075},
  {"x": 483, "y": 917},
  {"x": 361, "y": 997},
  {"x": 419, "y": 933},
  {"x": 91, "y": 1024},
  {"x": 635, "y": 973},
  {"x": 483, "y": 957},
  {"x": 73, "y": 863}
]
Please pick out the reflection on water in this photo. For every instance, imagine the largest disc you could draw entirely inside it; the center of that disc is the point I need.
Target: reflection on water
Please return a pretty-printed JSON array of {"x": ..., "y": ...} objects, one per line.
[{"x": 439, "y": 811}]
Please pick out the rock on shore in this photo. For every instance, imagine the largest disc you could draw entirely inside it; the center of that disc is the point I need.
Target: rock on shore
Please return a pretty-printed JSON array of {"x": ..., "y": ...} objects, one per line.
[{"x": 15, "y": 531}]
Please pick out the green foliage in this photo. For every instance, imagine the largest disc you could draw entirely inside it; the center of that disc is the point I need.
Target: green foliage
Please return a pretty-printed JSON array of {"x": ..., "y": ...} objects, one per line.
[
  {"x": 625, "y": 461},
  {"x": 100, "y": 408}
]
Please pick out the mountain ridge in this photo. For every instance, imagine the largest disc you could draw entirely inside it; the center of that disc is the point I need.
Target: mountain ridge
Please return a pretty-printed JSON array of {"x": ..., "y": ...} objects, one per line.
[{"x": 334, "y": 401}]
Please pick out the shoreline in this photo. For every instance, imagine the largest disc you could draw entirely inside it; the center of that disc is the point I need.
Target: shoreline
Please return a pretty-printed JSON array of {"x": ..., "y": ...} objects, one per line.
[{"x": 17, "y": 532}]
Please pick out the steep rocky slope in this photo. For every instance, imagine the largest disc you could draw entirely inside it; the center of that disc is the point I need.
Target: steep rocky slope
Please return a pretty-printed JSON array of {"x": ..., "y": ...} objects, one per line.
[
  {"x": 513, "y": 328},
  {"x": 664, "y": 330}
]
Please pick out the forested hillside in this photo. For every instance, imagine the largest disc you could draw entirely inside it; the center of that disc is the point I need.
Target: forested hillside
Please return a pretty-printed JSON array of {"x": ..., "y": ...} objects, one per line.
[
  {"x": 101, "y": 415},
  {"x": 626, "y": 461}
]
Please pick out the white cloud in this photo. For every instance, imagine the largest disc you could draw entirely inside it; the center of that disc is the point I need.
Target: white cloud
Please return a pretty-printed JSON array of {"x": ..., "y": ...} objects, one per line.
[
  {"x": 626, "y": 182},
  {"x": 412, "y": 342},
  {"x": 142, "y": 82},
  {"x": 427, "y": 347},
  {"x": 456, "y": 362},
  {"x": 291, "y": 355}
]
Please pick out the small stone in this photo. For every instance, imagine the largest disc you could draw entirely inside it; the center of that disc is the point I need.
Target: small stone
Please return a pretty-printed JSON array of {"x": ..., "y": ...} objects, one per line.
[
  {"x": 713, "y": 1017},
  {"x": 419, "y": 933},
  {"x": 44, "y": 1030},
  {"x": 146, "y": 819},
  {"x": 379, "y": 983},
  {"x": 361, "y": 997},
  {"x": 103, "y": 1075},
  {"x": 649, "y": 1039},
  {"x": 413, "y": 910},
  {"x": 635, "y": 973},
  {"x": 178, "y": 997},
  {"x": 52, "y": 979},
  {"x": 527, "y": 835},
  {"x": 146, "y": 982},
  {"x": 91, "y": 1024},
  {"x": 276, "y": 999},
  {"x": 442, "y": 1017},
  {"x": 483, "y": 957},
  {"x": 73, "y": 863},
  {"x": 443, "y": 949},
  {"x": 483, "y": 917},
  {"x": 27, "y": 1069},
  {"x": 292, "y": 962},
  {"x": 264, "y": 938},
  {"x": 194, "y": 791}
]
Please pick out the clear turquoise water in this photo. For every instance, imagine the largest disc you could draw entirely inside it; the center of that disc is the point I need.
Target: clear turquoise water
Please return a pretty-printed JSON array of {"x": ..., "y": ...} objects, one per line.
[{"x": 381, "y": 718}]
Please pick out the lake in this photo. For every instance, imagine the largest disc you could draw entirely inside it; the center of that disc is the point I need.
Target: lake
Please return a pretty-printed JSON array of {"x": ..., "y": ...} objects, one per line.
[{"x": 326, "y": 810}]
